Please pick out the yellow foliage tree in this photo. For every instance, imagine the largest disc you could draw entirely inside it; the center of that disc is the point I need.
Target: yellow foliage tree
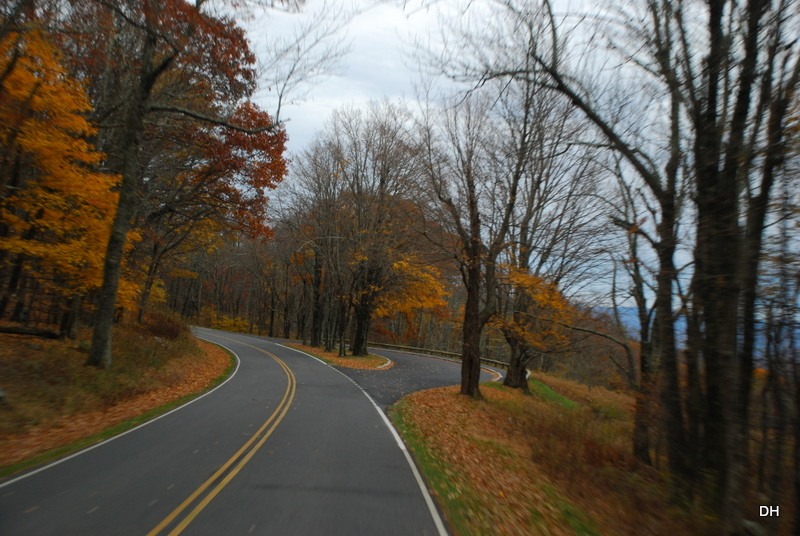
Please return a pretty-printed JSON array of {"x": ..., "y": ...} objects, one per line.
[
  {"x": 55, "y": 207},
  {"x": 536, "y": 325},
  {"x": 540, "y": 326},
  {"x": 414, "y": 286}
]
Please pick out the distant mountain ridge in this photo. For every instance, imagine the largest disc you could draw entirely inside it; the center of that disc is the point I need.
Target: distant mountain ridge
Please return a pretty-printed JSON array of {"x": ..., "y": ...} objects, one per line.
[{"x": 630, "y": 321}]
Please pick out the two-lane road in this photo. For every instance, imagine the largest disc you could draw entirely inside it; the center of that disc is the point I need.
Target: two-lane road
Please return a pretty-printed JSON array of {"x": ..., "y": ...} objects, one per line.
[{"x": 287, "y": 446}]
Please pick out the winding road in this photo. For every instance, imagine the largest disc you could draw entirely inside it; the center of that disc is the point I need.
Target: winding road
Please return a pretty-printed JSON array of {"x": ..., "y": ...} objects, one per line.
[{"x": 287, "y": 446}]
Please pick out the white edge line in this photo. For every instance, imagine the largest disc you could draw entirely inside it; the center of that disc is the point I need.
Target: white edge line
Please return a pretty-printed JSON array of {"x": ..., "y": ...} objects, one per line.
[
  {"x": 437, "y": 519},
  {"x": 110, "y": 439},
  {"x": 497, "y": 375}
]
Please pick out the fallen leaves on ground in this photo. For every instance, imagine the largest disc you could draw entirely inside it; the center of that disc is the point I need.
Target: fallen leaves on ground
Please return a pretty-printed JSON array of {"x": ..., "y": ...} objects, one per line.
[
  {"x": 520, "y": 465},
  {"x": 181, "y": 376},
  {"x": 368, "y": 362},
  {"x": 490, "y": 494}
]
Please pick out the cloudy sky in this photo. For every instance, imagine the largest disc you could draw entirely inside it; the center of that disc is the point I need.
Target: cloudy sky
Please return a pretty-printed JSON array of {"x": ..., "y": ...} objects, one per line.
[{"x": 377, "y": 65}]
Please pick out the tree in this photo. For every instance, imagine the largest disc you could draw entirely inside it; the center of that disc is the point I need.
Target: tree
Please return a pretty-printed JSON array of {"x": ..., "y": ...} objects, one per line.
[
  {"x": 181, "y": 57},
  {"x": 476, "y": 198},
  {"x": 413, "y": 286},
  {"x": 353, "y": 200},
  {"x": 55, "y": 206},
  {"x": 538, "y": 324},
  {"x": 204, "y": 180},
  {"x": 553, "y": 176},
  {"x": 725, "y": 75}
]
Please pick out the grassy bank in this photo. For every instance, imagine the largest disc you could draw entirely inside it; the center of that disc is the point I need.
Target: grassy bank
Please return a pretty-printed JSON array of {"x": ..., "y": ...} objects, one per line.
[
  {"x": 56, "y": 405},
  {"x": 555, "y": 462}
]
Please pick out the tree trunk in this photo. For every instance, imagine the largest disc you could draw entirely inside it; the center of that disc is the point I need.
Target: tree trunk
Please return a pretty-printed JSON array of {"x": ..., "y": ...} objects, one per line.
[
  {"x": 100, "y": 353},
  {"x": 13, "y": 284},
  {"x": 516, "y": 376},
  {"x": 358, "y": 346},
  {"x": 666, "y": 352},
  {"x": 641, "y": 427},
  {"x": 470, "y": 349},
  {"x": 127, "y": 163},
  {"x": 317, "y": 311},
  {"x": 271, "y": 331},
  {"x": 796, "y": 374},
  {"x": 69, "y": 322},
  {"x": 287, "y": 323},
  {"x": 342, "y": 324},
  {"x": 21, "y": 313},
  {"x": 644, "y": 385},
  {"x": 152, "y": 270},
  {"x": 35, "y": 332}
]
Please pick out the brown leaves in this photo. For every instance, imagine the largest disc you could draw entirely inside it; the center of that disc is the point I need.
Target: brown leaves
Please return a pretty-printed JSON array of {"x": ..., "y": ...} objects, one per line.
[
  {"x": 491, "y": 479},
  {"x": 370, "y": 362},
  {"x": 57, "y": 426},
  {"x": 517, "y": 464}
]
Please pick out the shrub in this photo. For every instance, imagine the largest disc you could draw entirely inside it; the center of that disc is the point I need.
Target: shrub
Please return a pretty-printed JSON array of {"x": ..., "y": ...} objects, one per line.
[{"x": 166, "y": 325}]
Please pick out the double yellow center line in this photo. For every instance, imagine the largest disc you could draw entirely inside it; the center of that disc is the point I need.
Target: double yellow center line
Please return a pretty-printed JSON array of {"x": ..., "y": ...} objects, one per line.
[{"x": 209, "y": 489}]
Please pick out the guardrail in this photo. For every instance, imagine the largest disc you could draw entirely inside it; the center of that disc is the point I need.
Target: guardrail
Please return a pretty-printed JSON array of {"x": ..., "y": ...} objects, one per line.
[
  {"x": 439, "y": 353},
  {"x": 454, "y": 356}
]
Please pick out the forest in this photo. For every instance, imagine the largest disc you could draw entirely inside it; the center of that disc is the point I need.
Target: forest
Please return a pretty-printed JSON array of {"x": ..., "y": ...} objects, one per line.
[{"x": 613, "y": 197}]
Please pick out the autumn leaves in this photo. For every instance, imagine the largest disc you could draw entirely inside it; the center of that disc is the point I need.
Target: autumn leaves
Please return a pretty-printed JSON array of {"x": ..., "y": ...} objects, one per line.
[
  {"x": 127, "y": 135},
  {"x": 56, "y": 206}
]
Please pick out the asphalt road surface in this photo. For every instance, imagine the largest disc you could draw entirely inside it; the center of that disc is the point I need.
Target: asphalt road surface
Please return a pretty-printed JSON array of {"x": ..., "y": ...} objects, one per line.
[
  {"x": 410, "y": 373},
  {"x": 288, "y": 445}
]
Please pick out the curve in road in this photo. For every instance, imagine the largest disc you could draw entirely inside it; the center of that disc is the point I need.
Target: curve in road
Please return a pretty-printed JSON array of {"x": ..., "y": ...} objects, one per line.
[
  {"x": 320, "y": 460},
  {"x": 235, "y": 463}
]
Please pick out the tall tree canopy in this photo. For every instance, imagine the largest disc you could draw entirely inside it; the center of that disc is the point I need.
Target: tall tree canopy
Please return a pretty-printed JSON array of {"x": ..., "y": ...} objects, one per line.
[{"x": 55, "y": 207}]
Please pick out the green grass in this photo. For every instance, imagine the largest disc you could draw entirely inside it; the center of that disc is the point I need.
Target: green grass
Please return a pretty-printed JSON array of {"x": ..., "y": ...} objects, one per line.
[
  {"x": 546, "y": 393},
  {"x": 540, "y": 389},
  {"x": 578, "y": 520},
  {"x": 443, "y": 481}
]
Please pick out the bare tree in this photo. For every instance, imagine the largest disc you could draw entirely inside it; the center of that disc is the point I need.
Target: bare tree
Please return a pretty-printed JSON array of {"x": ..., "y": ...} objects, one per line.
[
  {"x": 476, "y": 199},
  {"x": 293, "y": 62},
  {"x": 555, "y": 233},
  {"x": 353, "y": 185},
  {"x": 722, "y": 76}
]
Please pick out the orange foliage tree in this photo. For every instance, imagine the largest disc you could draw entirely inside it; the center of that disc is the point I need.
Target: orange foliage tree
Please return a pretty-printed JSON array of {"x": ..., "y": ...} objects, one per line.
[
  {"x": 412, "y": 286},
  {"x": 536, "y": 325},
  {"x": 207, "y": 179},
  {"x": 55, "y": 208},
  {"x": 153, "y": 66}
]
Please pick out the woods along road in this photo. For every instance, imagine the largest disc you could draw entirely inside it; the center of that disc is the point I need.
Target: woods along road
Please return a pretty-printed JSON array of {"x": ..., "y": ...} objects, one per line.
[{"x": 288, "y": 445}]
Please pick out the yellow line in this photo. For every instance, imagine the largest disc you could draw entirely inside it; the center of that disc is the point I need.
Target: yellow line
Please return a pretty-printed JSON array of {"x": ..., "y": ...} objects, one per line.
[
  {"x": 213, "y": 493},
  {"x": 275, "y": 418}
]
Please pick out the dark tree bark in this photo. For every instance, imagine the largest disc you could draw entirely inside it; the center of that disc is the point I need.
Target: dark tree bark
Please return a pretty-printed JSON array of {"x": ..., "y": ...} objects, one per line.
[
  {"x": 517, "y": 373},
  {"x": 796, "y": 449},
  {"x": 473, "y": 326},
  {"x": 69, "y": 320},
  {"x": 271, "y": 330},
  {"x": 362, "y": 317},
  {"x": 126, "y": 161},
  {"x": 317, "y": 305},
  {"x": 35, "y": 332}
]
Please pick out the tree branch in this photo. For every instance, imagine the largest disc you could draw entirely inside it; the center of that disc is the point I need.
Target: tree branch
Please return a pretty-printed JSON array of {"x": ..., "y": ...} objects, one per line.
[
  {"x": 628, "y": 350},
  {"x": 212, "y": 120}
]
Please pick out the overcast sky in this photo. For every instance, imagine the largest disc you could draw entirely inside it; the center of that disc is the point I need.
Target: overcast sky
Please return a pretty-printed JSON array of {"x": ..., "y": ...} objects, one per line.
[{"x": 376, "y": 67}]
